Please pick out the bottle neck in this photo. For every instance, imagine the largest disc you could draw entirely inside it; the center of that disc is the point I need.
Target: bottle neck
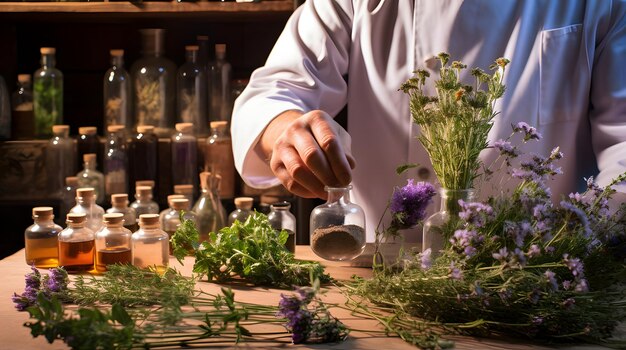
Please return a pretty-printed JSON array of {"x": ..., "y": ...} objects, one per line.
[
  {"x": 218, "y": 132},
  {"x": 340, "y": 195},
  {"x": 90, "y": 165},
  {"x": 62, "y": 134},
  {"x": 450, "y": 199},
  {"x": 76, "y": 225},
  {"x": 117, "y": 62},
  {"x": 220, "y": 56},
  {"x": 143, "y": 198},
  {"x": 114, "y": 226},
  {"x": 23, "y": 86},
  {"x": 44, "y": 221},
  {"x": 85, "y": 202},
  {"x": 149, "y": 227},
  {"x": 191, "y": 56},
  {"x": 48, "y": 61}
]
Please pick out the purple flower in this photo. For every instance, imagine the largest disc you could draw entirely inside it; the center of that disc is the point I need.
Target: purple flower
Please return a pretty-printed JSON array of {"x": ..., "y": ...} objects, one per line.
[
  {"x": 425, "y": 259},
  {"x": 576, "y": 197},
  {"x": 475, "y": 213},
  {"x": 550, "y": 276},
  {"x": 537, "y": 320},
  {"x": 568, "y": 303},
  {"x": 567, "y": 285},
  {"x": 29, "y": 297},
  {"x": 580, "y": 215},
  {"x": 455, "y": 272},
  {"x": 582, "y": 286},
  {"x": 464, "y": 241},
  {"x": 530, "y": 133},
  {"x": 56, "y": 281},
  {"x": 33, "y": 279},
  {"x": 506, "y": 148},
  {"x": 21, "y": 302},
  {"x": 408, "y": 203},
  {"x": 501, "y": 255},
  {"x": 533, "y": 251},
  {"x": 298, "y": 318},
  {"x": 574, "y": 265}
]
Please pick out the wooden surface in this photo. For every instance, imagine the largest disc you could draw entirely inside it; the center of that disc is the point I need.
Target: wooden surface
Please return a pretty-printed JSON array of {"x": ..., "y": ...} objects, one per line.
[{"x": 14, "y": 336}]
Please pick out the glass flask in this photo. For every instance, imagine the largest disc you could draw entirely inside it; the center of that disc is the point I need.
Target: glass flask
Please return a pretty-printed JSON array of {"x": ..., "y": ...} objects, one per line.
[
  {"x": 119, "y": 204},
  {"x": 23, "y": 122},
  {"x": 154, "y": 84},
  {"x": 47, "y": 94},
  {"x": 218, "y": 157},
  {"x": 243, "y": 210},
  {"x": 60, "y": 157},
  {"x": 184, "y": 190},
  {"x": 191, "y": 84},
  {"x": 68, "y": 197},
  {"x": 88, "y": 142},
  {"x": 209, "y": 211},
  {"x": 113, "y": 242},
  {"x": 115, "y": 161},
  {"x": 149, "y": 245},
  {"x": 184, "y": 156},
  {"x": 76, "y": 244},
  {"x": 90, "y": 177},
  {"x": 219, "y": 72},
  {"x": 117, "y": 93},
  {"x": 142, "y": 156},
  {"x": 170, "y": 218},
  {"x": 5, "y": 111},
  {"x": 281, "y": 218},
  {"x": 448, "y": 214},
  {"x": 338, "y": 226},
  {"x": 41, "y": 239},
  {"x": 143, "y": 203},
  {"x": 203, "y": 53},
  {"x": 85, "y": 204}
]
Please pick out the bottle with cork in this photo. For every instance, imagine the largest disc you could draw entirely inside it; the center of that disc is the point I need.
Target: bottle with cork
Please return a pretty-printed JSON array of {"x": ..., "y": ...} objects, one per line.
[
  {"x": 47, "y": 94},
  {"x": 113, "y": 242},
  {"x": 184, "y": 156},
  {"x": 88, "y": 142},
  {"x": 60, "y": 157},
  {"x": 23, "y": 123},
  {"x": 115, "y": 161},
  {"x": 143, "y": 203},
  {"x": 142, "y": 156},
  {"x": 150, "y": 244},
  {"x": 281, "y": 218},
  {"x": 117, "y": 92},
  {"x": 218, "y": 157},
  {"x": 192, "y": 85},
  {"x": 76, "y": 244},
  {"x": 243, "y": 210},
  {"x": 90, "y": 177},
  {"x": 41, "y": 239},
  {"x": 167, "y": 212},
  {"x": 85, "y": 204},
  {"x": 170, "y": 218},
  {"x": 185, "y": 190},
  {"x": 119, "y": 202},
  {"x": 210, "y": 213}
]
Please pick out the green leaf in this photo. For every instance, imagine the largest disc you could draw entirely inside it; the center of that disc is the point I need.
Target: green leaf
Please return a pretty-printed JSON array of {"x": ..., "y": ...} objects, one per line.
[
  {"x": 119, "y": 314},
  {"x": 404, "y": 167}
]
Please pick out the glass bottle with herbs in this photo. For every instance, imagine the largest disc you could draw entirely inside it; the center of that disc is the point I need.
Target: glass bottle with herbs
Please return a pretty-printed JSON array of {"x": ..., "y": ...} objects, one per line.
[
  {"x": 85, "y": 204},
  {"x": 170, "y": 218},
  {"x": 60, "y": 156},
  {"x": 184, "y": 156},
  {"x": 68, "y": 197},
  {"x": 219, "y": 85},
  {"x": 90, "y": 177},
  {"x": 149, "y": 245},
  {"x": 23, "y": 122},
  {"x": 113, "y": 242},
  {"x": 192, "y": 92},
  {"x": 243, "y": 210},
  {"x": 142, "y": 156},
  {"x": 210, "y": 213},
  {"x": 41, "y": 245},
  {"x": 47, "y": 94},
  {"x": 117, "y": 92},
  {"x": 119, "y": 202},
  {"x": 281, "y": 218},
  {"x": 88, "y": 142},
  {"x": 143, "y": 203},
  {"x": 115, "y": 161},
  {"x": 76, "y": 244},
  {"x": 154, "y": 84},
  {"x": 218, "y": 157}
]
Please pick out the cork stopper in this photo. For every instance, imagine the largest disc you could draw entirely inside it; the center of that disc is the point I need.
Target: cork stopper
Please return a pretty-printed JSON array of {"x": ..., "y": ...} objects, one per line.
[
  {"x": 149, "y": 183},
  {"x": 85, "y": 192},
  {"x": 220, "y": 49},
  {"x": 205, "y": 179},
  {"x": 202, "y": 37},
  {"x": 60, "y": 129},
  {"x": 144, "y": 190},
  {"x": 142, "y": 129},
  {"x": 179, "y": 203},
  {"x": 191, "y": 48},
  {"x": 184, "y": 127},
  {"x": 116, "y": 52},
  {"x": 183, "y": 189},
  {"x": 112, "y": 219},
  {"x": 23, "y": 78},
  {"x": 42, "y": 213},
  {"x": 89, "y": 157},
  {"x": 219, "y": 124},
  {"x": 48, "y": 50},
  {"x": 174, "y": 196},
  {"x": 119, "y": 199},
  {"x": 149, "y": 219},
  {"x": 115, "y": 128},
  {"x": 87, "y": 130},
  {"x": 76, "y": 218},
  {"x": 244, "y": 202},
  {"x": 71, "y": 181}
]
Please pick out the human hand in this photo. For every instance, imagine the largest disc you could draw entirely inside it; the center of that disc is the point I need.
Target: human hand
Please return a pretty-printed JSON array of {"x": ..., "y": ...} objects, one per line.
[{"x": 308, "y": 151}]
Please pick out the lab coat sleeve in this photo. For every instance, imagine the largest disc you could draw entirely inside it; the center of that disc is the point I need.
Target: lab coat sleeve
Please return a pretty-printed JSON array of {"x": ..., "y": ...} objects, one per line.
[{"x": 306, "y": 70}]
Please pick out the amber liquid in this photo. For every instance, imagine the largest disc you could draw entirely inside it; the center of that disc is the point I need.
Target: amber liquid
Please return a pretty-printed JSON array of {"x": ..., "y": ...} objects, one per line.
[
  {"x": 112, "y": 256},
  {"x": 42, "y": 252},
  {"x": 76, "y": 256}
]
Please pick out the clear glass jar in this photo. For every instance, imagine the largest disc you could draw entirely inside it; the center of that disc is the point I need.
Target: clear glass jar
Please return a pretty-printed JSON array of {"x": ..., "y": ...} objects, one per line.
[
  {"x": 85, "y": 204},
  {"x": 119, "y": 202},
  {"x": 5, "y": 111},
  {"x": 192, "y": 95},
  {"x": 338, "y": 226},
  {"x": 449, "y": 209},
  {"x": 117, "y": 93},
  {"x": 143, "y": 203},
  {"x": 170, "y": 218},
  {"x": 220, "y": 72},
  {"x": 142, "y": 156},
  {"x": 281, "y": 218},
  {"x": 243, "y": 210},
  {"x": 210, "y": 213},
  {"x": 68, "y": 197},
  {"x": 184, "y": 156},
  {"x": 41, "y": 239},
  {"x": 185, "y": 190},
  {"x": 149, "y": 245},
  {"x": 60, "y": 157},
  {"x": 154, "y": 84},
  {"x": 23, "y": 122},
  {"x": 76, "y": 244},
  {"x": 113, "y": 242},
  {"x": 88, "y": 142},
  {"x": 90, "y": 177},
  {"x": 218, "y": 157},
  {"x": 47, "y": 94},
  {"x": 115, "y": 161}
]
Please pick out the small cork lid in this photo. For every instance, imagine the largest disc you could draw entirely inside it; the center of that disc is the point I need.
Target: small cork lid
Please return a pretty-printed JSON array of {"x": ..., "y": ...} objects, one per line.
[
  {"x": 219, "y": 124},
  {"x": 183, "y": 189},
  {"x": 115, "y": 128},
  {"x": 220, "y": 48},
  {"x": 23, "y": 78},
  {"x": 116, "y": 52},
  {"x": 144, "y": 190},
  {"x": 191, "y": 48},
  {"x": 184, "y": 127},
  {"x": 89, "y": 157},
  {"x": 149, "y": 219},
  {"x": 179, "y": 203},
  {"x": 149, "y": 183},
  {"x": 202, "y": 37},
  {"x": 76, "y": 218},
  {"x": 244, "y": 202},
  {"x": 142, "y": 129},
  {"x": 57, "y": 129},
  {"x": 205, "y": 178},
  {"x": 174, "y": 196},
  {"x": 42, "y": 212},
  {"x": 85, "y": 192},
  {"x": 71, "y": 181},
  {"x": 48, "y": 50},
  {"x": 113, "y": 218},
  {"x": 119, "y": 198},
  {"x": 87, "y": 130}
]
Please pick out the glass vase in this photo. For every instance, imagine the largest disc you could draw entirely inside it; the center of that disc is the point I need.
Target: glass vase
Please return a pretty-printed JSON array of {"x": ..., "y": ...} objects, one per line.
[{"x": 445, "y": 220}]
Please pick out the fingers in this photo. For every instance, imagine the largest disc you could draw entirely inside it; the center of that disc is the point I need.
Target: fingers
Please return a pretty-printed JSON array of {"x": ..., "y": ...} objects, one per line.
[
  {"x": 331, "y": 139},
  {"x": 293, "y": 173}
]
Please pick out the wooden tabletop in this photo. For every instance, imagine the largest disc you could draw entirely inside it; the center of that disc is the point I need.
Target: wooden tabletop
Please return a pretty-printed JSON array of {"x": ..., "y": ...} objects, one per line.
[{"x": 14, "y": 336}]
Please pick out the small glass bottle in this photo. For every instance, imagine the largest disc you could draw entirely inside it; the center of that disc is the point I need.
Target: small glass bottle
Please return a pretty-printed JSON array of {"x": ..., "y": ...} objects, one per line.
[
  {"x": 219, "y": 85},
  {"x": 170, "y": 218},
  {"x": 449, "y": 209},
  {"x": 59, "y": 159},
  {"x": 41, "y": 239},
  {"x": 115, "y": 161},
  {"x": 88, "y": 142},
  {"x": 209, "y": 210},
  {"x": 149, "y": 245},
  {"x": 243, "y": 211},
  {"x": 47, "y": 94},
  {"x": 218, "y": 157},
  {"x": 117, "y": 93},
  {"x": 338, "y": 226},
  {"x": 90, "y": 177},
  {"x": 119, "y": 202},
  {"x": 68, "y": 197},
  {"x": 142, "y": 156},
  {"x": 192, "y": 92},
  {"x": 184, "y": 156},
  {"x": 281, "y": 218},
  {"x": 76, "y": 244},
  {"x": 113, "y": 242},
  {"x": 23, "y": 123},
  {"x": 185, "y": 190},
  {"x": 143, "y": 203},
  {"x": 85, "y": 204}
]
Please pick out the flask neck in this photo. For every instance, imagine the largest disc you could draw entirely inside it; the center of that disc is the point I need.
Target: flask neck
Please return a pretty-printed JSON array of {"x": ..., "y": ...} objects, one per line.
[
  {"x": 90, "y": 166},
  {"x": 117, "y": 62},
  {"x": 338, "y": 194},
  {"x": 84, "y": 201},
  {"x": 450, "y": 199},
  {"x": 191, "y": 56},
  {"x": 48, "y": 61},
  {"x": 63, "y": 134}
]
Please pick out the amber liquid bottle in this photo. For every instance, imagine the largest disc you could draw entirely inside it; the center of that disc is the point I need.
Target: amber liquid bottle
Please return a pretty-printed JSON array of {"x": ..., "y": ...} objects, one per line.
[
  {"x": 113, "y": 242},
  {"x": 41, "y": 239},
  {"x": 76, "y": 245}
]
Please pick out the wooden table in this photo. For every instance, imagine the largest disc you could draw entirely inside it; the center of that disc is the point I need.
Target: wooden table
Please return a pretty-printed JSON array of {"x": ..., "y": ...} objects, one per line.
[{"x": 14, "y": 336}]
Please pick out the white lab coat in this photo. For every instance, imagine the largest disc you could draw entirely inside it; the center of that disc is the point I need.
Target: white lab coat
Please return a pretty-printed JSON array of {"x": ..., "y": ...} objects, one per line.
[{"x": 567, "y": 77}]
